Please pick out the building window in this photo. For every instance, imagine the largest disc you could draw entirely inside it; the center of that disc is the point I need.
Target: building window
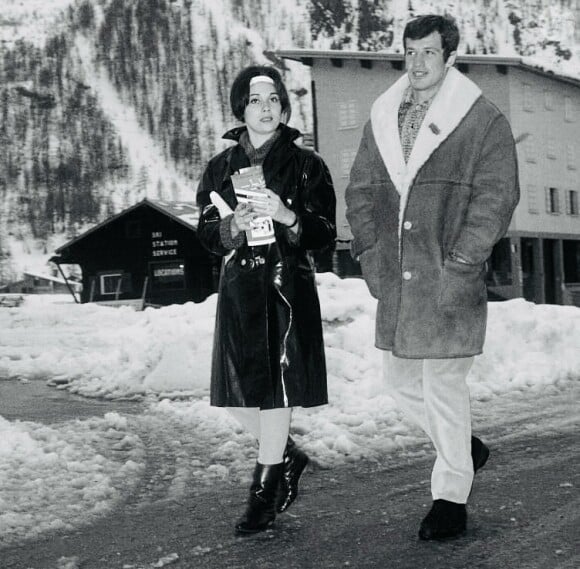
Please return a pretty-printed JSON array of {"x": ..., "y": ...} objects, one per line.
[
  {"x": 346, "y": 160},
  {"x": 532, "y": 192},
  {"x": 500, "y": 264},
  {"x": 530, "y": 149},
  {"x": 551, "y": 148},
  {"x": 111, "y": 283},
  {"x": 549, "y": 100},
  {"x": 168, "y": 276},
  {"x": 571, "y": 153},
  {"x": 572, "y": 202},
  {"x": 552, "y": 200},
  {"x": 528, "y": 98},
  {"x": 569, "y": 111},
  {"x": 308, "y": 140},
  {"x": 571, "y": 251},
  {"x": 347, "y": 114}
]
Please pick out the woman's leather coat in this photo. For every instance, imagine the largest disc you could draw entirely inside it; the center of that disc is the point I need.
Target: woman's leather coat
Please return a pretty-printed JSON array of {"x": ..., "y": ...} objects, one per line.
[{"x": 268, "y": 347}]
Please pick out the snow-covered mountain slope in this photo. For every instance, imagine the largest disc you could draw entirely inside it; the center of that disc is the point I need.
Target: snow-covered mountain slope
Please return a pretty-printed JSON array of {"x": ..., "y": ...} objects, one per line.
[{"x": 104, "y": 102}]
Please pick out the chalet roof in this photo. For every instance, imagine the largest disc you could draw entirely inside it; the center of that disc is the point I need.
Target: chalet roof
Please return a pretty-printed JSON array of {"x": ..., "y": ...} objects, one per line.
[
  {"x": 186, "y": 213},
  {"x": 49, "y": 278},
  {"x": 307, "y": 57}
]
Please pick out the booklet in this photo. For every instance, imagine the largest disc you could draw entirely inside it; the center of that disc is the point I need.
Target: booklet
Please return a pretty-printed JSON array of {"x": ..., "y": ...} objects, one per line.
[{"x": 249, "y": 185}]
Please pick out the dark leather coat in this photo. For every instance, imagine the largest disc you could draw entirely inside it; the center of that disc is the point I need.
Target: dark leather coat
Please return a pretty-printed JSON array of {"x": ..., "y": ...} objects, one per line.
[{"x": 268, "y": 347}]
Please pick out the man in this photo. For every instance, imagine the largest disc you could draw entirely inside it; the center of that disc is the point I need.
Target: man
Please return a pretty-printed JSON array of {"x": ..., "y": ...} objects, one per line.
[{"x": 432, "y": 189}]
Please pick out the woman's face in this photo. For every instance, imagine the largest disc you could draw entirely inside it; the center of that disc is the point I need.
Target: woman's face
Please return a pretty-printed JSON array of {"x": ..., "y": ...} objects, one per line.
[{"x": 264, "y": 111}]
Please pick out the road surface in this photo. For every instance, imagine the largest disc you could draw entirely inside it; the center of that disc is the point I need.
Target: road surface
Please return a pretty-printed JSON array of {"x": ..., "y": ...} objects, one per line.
[{"x": 524, "y": 511}]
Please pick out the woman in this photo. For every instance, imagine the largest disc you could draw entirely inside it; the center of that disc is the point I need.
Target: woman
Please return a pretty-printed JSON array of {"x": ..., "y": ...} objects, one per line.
[{"x": 268, "y": 353}]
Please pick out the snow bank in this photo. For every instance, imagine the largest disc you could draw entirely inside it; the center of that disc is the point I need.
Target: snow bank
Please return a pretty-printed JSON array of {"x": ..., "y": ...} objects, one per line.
[
  {"x": 64, "y": 475},
  {"x": 99, "y": 351}
]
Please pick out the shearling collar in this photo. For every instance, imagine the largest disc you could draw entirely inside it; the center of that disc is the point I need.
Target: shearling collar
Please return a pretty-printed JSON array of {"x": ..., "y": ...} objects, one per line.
[{"x": 455, "y": 98}]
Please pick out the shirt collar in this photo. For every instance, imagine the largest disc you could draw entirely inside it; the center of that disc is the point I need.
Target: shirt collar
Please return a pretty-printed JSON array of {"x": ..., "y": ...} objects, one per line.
[{"x": 409, "y": 98}]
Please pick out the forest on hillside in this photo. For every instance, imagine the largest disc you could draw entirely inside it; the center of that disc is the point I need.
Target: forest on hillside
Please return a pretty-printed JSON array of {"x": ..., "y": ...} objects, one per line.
[{"x": 64, "y": 161}]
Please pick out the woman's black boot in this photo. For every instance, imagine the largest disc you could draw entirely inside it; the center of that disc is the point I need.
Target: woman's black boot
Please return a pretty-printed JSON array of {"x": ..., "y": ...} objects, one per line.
[
  {"x": 295, "y": 462},
  {"x": 261, "y": 509}
]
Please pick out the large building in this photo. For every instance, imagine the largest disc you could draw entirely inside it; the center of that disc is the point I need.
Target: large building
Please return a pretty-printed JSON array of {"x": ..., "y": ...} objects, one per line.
[{"x": 540, "y": 257}]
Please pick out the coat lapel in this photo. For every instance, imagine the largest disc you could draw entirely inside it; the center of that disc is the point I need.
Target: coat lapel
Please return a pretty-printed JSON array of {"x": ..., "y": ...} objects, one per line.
[
  {"x": 453, "y": 101},
  {"x": 385, "y": 125},
  {"x": 455, "y": 98}
]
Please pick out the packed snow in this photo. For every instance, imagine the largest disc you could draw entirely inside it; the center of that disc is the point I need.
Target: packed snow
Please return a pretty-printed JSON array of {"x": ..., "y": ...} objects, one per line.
[{"x": 62, "y": 474}]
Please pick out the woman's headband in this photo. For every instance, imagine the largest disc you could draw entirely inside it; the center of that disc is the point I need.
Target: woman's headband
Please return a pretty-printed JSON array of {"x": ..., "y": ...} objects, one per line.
[{"x": 261, "y": 79}]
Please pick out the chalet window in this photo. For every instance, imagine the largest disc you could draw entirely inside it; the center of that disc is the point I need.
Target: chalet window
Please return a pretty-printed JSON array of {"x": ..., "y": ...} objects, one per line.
[
  {"x": 569, "y": 111},
  {"x": 111, "y": 283},
  {"x": 528, "y": 98},
  {"x": 572, "y": 202},
  {"x": 530, "y": 149},
  {"x": 571, "y": 156},
  {"x": 551, "y": 148},
  {"x": 532, "y": 193},
  {"x": 347, "y": 114},
  {"x": 552, "y": 200},
  {"x": 168, "y": 276},
  {"x": 346, "y": 160},
  {"x": 549, "y": 100}
]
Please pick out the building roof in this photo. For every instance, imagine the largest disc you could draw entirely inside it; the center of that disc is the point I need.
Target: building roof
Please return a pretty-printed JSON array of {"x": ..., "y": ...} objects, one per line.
[
  {"x": 186, "y": 213},
  {"x": 307, "y": 57},
  {"x": 50, "y": 278}
]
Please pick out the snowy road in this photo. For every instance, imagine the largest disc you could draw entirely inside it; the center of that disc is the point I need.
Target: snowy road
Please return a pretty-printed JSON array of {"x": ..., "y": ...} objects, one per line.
[
  {"x": 525, "y": 506},
  {"x": 143, "y": 444}
]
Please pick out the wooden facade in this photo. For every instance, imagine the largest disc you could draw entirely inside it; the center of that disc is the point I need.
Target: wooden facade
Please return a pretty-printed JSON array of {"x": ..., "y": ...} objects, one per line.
[
  {"x": 540, "y": 257},
  {"x": 148, "y": 254}
]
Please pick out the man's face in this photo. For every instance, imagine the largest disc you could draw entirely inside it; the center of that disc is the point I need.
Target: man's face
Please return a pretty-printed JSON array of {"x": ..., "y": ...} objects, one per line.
[{"x": 425, "y": 64}]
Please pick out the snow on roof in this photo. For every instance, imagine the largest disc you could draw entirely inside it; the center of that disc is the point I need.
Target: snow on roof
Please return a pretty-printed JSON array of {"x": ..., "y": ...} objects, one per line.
[
  {"x": 45, "y": 277},
  {"x": 529, "y": 63},
  {"x": 50, "y": 278},
  {"x": 186, "y": 213}
]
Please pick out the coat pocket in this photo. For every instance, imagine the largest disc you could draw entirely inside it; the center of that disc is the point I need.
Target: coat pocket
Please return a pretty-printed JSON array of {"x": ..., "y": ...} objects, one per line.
[
  {"x": 370, "y": 266},
  {"x": 462, "y": 285}
]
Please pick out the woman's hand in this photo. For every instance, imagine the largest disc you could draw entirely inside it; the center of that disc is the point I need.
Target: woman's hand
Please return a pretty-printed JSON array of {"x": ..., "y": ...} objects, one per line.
[
  {"x": 272, "y": 205},
  {"x": 243, "y": 216}
]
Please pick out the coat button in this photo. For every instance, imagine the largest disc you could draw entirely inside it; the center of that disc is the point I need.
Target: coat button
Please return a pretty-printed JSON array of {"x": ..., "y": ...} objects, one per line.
[
  {"x": 407, "y": 275},
  {"x": 407, "y": 225}
]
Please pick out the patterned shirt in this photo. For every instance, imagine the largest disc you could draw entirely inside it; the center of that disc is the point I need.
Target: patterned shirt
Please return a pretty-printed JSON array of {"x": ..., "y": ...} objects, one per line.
[{"x": 411, "y": 115}]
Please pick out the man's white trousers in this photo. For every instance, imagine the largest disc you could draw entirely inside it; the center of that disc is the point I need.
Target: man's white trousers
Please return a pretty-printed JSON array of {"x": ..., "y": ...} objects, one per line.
[{"x": 433, "y": 394}]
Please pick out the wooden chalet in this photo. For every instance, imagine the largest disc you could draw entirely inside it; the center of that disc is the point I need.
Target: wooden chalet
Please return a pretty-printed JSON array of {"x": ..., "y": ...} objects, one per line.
[{"x": 147, "y": 255}]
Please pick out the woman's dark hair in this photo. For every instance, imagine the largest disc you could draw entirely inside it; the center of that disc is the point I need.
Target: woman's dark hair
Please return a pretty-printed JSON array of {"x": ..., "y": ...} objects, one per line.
[
  {"x": 240, "y": 93},
  {"x": 422, "y": 26}
]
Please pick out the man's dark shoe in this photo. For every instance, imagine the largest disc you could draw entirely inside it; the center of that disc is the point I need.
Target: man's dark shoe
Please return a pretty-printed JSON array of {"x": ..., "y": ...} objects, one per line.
[
  {"x": 444, "y": 520},
  {"x": 479, "y": 453}
]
